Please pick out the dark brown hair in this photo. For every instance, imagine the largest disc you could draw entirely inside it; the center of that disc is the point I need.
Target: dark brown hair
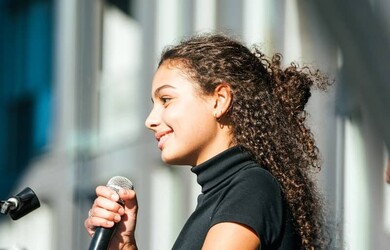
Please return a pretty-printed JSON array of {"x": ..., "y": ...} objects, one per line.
[{"x": 267, "y": 117}]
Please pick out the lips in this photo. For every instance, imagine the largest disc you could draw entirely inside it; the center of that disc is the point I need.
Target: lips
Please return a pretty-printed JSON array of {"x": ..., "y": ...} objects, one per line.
[{"x": 162, "y": 137}]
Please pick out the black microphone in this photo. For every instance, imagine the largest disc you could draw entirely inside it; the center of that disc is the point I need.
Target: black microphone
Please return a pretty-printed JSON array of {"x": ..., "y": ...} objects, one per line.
[
  {"x": 101, "y": 238},
  {"x": 21, "y": 204}
]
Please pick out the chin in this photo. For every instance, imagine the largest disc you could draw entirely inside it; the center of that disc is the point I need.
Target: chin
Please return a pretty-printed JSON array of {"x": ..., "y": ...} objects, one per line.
[{"x": 175, "y": 160}]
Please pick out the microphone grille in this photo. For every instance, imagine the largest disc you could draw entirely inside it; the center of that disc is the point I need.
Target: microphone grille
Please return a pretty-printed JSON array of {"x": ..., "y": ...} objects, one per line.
[{"x": 119, "y": 182}]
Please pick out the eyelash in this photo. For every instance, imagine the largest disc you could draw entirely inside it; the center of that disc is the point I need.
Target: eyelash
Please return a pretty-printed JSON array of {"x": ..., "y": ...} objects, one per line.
[{"x": 164, "y": 100}]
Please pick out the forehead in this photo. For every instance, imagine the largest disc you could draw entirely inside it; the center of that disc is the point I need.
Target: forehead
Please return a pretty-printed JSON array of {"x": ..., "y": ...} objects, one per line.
[{"x": 173, "y": 75}]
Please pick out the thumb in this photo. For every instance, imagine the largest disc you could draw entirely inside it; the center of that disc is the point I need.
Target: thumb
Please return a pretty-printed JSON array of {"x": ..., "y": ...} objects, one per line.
[{"x": 130, "y": 199}]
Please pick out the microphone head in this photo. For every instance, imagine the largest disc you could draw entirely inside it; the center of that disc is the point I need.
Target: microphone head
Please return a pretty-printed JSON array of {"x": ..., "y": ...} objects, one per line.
[{"x": 119, "y": 182}]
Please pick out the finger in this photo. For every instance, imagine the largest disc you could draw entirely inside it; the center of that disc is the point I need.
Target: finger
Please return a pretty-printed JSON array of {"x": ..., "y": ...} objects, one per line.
[
  {"x": 93, "y": 222},
  {"x": 127, "y": 194},
  {"x": 98, "y": 217},
  {"x": 104, "y": 214},
  {"x": 131, "y": 204},
  {"x": 107, "y": 193},
  {"x": 89, "y": 227},
  {"x": 107, "y": 204}
]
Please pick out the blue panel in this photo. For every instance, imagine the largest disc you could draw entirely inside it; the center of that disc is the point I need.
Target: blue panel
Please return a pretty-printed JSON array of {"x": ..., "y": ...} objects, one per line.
[
  {"x": 38, "y": 47},
  {"x": 38, "y": 70},
  {"x": 26, "y": 38}
]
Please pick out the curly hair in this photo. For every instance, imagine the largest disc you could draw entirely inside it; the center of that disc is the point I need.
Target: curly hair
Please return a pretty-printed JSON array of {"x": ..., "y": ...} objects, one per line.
[{"x": 267, "y": 117}]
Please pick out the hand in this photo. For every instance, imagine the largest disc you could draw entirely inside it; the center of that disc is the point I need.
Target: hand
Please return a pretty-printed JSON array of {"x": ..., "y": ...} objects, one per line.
[{"x": 106, "y": 211}]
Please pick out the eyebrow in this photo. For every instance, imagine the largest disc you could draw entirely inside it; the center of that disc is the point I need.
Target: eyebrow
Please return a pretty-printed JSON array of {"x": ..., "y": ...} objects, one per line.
[{"x": 161, "y": 88}]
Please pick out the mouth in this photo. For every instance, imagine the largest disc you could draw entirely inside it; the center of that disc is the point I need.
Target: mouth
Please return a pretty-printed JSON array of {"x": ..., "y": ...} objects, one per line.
[{"x": 162, "y": 137}]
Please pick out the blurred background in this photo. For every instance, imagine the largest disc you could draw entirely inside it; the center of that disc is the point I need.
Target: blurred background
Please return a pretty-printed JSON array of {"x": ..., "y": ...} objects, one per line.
[{"x": 75, "y": 79}]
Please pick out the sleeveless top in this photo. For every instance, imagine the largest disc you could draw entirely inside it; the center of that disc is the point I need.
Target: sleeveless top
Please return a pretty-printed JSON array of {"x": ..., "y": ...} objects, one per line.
[{"x": 236, "y": 189}]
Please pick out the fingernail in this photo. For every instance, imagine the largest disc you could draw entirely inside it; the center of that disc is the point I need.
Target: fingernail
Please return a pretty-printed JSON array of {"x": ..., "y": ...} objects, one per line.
[
  {"x": 121, "y": 210},
  {"x": 110, "y": 223},
  {"x": 117, "y": 218}
]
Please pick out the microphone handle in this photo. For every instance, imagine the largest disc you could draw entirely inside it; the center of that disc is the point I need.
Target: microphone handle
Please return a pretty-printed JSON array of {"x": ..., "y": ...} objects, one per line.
[{"x": 101, "y": 238}]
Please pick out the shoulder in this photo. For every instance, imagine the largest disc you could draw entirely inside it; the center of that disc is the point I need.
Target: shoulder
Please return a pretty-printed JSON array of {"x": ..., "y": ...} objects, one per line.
[
  {"x": 254, "y": 199},
  {"x": 254, "y": 177},
  {"x": 253, "y": 190}
]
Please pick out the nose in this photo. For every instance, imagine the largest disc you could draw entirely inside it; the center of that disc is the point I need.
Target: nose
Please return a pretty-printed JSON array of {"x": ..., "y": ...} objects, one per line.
[{"x": 152, "y": 121}]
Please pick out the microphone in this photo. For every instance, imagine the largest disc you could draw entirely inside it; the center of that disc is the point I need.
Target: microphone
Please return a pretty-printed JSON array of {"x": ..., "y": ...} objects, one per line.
[
  {"x": 102, "y": 236},
  {"x": 21, "y": 204}
]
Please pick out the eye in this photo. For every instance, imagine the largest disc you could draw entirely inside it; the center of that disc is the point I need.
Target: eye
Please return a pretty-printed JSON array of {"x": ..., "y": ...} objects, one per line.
[{"x": 164, "y": 100}]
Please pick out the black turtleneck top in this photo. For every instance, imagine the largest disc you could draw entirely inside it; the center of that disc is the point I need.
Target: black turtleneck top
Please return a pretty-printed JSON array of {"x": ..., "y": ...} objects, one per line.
[{"x": 236, "y": 189}]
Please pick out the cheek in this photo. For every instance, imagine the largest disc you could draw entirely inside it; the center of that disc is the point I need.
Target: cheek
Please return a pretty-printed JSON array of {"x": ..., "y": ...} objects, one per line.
[
  {"x": 180, "y": 114},
  {"x": 189, "y": 117},
  {"x": 200, "y": 127},
  {"x": 171, "y": 116}
]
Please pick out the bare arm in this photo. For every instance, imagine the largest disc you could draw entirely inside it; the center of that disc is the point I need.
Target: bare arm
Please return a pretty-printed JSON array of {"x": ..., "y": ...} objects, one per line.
[{"x": 231, "y": 236}]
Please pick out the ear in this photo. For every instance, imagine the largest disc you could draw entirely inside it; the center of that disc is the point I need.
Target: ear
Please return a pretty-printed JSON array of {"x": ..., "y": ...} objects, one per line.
[{"x": 222, "y": 99}]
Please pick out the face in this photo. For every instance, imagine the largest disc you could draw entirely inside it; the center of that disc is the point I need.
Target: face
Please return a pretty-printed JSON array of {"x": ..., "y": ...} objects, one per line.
[{"x": 183, "y": 121}]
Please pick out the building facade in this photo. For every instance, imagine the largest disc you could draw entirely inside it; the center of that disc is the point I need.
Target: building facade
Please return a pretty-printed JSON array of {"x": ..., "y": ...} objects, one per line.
[{"x": 75, "y": 81}]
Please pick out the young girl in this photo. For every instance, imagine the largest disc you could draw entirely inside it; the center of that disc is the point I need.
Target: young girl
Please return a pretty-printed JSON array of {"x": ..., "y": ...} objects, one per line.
[{"x": 238, "y": 119}]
